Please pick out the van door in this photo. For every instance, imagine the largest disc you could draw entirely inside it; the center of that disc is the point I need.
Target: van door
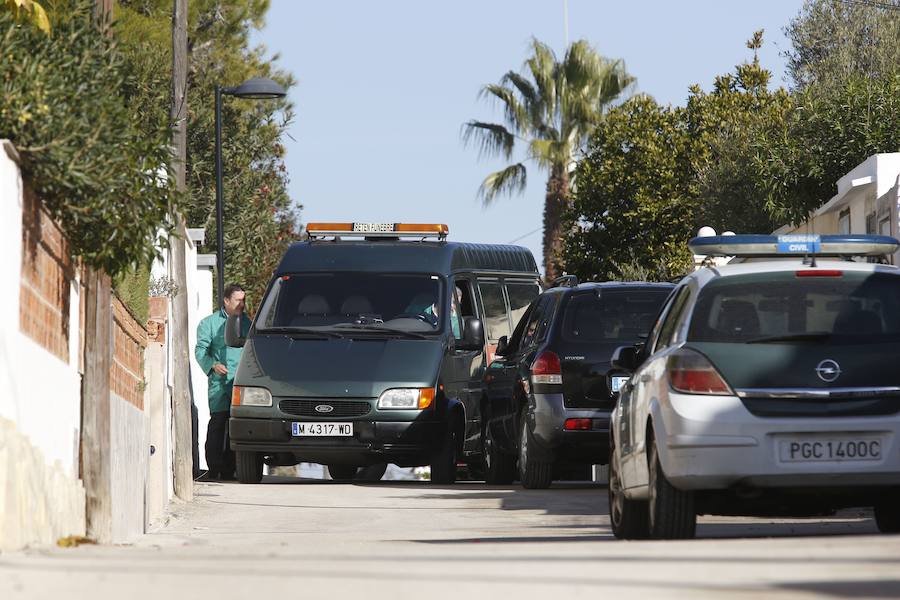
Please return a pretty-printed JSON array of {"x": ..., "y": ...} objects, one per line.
[{"x": 468, "y": 365}]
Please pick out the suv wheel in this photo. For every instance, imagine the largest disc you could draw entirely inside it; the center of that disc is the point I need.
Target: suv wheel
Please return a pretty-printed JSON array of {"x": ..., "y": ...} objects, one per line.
[
  {"x": 342, "y": 472},
  {"x": 671, "y": 511},
  {"x": 533, "y": 472},
  {"x": 629, "y": 518},
  {"x": 887, "y": 513},
  {"x": 499, "y": 467},
  {"x": 249, "y": 466},
  {"x": 443, "y": 468}
]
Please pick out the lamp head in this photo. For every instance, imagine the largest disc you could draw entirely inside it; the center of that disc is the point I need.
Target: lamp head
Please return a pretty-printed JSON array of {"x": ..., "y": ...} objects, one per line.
[{"x": 257, "y": 88}]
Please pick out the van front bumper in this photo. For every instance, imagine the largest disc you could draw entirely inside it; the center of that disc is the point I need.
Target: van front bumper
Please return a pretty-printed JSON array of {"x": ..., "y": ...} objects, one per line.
[{"x": 404, "y": 443}]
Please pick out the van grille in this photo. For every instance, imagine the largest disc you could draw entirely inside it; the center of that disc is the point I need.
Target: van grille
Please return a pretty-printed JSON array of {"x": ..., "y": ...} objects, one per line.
[{"x": 342, "y": 408}]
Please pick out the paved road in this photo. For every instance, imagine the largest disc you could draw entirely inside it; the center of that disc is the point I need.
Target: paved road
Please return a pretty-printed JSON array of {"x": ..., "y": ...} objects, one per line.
[{"x": 292, "y": 538}]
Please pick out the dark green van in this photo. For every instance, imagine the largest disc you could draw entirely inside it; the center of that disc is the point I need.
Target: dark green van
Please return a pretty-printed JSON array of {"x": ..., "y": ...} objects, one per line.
[{"x": 371, "y": 351}]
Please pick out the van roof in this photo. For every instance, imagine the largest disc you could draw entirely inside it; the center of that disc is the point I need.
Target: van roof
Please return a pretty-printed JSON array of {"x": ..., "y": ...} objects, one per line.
[{"x": 406, "y": 256}]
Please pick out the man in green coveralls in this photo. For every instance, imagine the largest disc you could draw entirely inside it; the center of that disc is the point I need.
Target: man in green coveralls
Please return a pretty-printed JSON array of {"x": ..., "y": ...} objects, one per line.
[{"x": 220, "y": 362}]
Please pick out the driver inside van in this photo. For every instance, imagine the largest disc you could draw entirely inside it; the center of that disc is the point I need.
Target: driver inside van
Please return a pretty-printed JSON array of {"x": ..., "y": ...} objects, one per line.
[{"x": 424, "y": 304}]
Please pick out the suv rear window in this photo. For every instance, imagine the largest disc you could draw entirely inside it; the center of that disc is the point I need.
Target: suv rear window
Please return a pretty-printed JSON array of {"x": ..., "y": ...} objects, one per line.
[
  {"x": 612, "y": 315},
  {"x": 770, "y": 306}
]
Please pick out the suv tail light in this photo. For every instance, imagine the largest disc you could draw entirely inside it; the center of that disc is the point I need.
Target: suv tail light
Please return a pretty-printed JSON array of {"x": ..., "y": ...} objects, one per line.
[
  {"x": 691, "y": 373},
  {"x": 546, "y": 369}
]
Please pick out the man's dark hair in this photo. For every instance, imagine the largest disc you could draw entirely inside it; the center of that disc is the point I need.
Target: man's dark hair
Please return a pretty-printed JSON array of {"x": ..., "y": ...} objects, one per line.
[{"x": 232, "y": 288}]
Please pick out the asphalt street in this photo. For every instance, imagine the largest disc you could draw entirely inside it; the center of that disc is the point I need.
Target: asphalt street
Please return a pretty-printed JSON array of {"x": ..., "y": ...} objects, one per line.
[{"x": 301, "y": 538}]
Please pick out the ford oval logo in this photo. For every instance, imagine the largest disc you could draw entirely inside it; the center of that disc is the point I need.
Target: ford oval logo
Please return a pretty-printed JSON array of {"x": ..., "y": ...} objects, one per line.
[
  {"x": 828, "y": 370},
  {"x": 324, "y": 408}
]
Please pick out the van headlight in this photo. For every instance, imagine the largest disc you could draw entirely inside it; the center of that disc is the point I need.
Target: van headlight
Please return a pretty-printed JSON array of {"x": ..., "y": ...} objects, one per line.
[
  {"x": 406, "y": 399},
  {"x": 251, "y": 396}
]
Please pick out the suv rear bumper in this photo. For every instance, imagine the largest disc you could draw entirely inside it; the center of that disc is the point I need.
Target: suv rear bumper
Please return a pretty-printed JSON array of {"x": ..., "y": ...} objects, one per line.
[
  {"x": 406, "y": 444},
  {"x": 548, "y": 428}
]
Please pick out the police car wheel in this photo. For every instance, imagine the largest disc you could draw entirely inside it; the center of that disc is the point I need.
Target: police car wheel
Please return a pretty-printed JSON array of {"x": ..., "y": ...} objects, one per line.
[
  {"x": 249, "y": 466},
  {"x": 671, "y": 511},
  {"x": 535, "y": 474},
  {"x": 443, "y": 468},
  {"x": 887, "y": 513},
  {"x": 629, "y": 518}
]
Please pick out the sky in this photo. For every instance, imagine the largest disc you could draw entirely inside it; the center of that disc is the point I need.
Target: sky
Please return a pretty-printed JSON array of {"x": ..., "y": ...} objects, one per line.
[{"x": 384, "y": 87}]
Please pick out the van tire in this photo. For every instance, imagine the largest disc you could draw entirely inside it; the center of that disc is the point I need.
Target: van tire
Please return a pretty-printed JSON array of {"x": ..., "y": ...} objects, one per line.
[
  {"x": 671, "y": 511},
  {"x": 628, "y": 519},
  {"x": 443, "y": 468},
  {"x": 534, "y": 473},
  {"x": 499, "y": 467},
  {"x": 249, "y": 466},
  {"x": 887, "y": 513},
  {"x": 372, "y": 472},
  {"x": 342, "y": 472}
]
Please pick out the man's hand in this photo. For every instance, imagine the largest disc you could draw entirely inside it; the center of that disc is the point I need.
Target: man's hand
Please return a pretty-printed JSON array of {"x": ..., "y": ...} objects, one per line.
[{"x": 220, "y": 369}]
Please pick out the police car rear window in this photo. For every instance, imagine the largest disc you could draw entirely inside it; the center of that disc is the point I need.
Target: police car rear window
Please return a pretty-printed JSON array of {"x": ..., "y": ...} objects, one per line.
[{"x": 781, "y": 307}]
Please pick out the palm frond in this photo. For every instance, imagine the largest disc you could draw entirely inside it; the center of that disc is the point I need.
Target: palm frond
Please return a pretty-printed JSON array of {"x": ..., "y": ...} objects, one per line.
[
  {"x": 544, "y": 68},
  {"x": 493, "y": 139},
  {"x": 544, "y": 152},
  {"x": 510, "y": 181},
  {"x": 531, "y": 99},
  {"x": 517, "y": 116}
]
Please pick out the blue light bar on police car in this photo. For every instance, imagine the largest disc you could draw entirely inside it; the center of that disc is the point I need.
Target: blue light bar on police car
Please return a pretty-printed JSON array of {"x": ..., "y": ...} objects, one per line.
[{"x": 794, "y": 244}]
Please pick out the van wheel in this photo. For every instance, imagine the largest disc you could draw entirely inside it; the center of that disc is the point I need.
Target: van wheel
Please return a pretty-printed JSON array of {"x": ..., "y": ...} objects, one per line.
[
  {"x": 671, "y": 511},
  {"x": 534, "y": 473},
  {"x": 629, "y": 518},
  {"x": 249, "y": 466},
  {"x": 887, "y": 513},
  {"x": 342, "y": 472},
  {"x": 443, "y": 469},
  {"x": 499, "y": 467},
  {"x": 372, "y": 472}
]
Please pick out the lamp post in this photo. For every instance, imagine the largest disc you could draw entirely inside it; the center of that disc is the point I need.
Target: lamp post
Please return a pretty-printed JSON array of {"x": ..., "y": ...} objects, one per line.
[{"x": 257, "y": 88}]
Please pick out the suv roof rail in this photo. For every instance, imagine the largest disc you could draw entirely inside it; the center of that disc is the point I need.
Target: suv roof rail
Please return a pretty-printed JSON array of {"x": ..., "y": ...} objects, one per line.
[{"x": 566, "y": 281}]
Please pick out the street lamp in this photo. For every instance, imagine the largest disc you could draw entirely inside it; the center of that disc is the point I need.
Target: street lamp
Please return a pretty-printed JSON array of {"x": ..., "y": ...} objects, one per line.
[{"x": 257, "y": 88}]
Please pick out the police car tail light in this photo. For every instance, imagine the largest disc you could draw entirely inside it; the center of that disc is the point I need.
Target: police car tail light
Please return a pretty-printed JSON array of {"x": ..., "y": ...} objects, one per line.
[
  {"x": 820, "y": 273},
  {"x": 692, "y": 373},
  {"x": 546, "y": 369},
  {"x": 406, "y": 399},
  {"x": 250, "y": 396}
]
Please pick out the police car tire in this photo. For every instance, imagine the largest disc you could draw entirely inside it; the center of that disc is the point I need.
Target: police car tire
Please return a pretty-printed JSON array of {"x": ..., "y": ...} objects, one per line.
[
  {"x": 534, "y": 473},
  {"x": 672, "y": 515},
  {"x": 443, "y": 468},
  {"x": 629, "y": 519},
  {"x": 887, "y": 514},
  {"x": 499, "y": 467},
  {"x": 249, "y": 466},
  {"x": 342, "y": 472},
  {"x": 372, "y": 472}
]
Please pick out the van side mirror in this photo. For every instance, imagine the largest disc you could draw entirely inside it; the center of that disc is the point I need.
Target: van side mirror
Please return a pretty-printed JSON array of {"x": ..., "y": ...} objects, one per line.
[
  {"x": 625, "y": 358},
  {"x": 233, "y": 333},
  {"x": 473, "y": 335},
  {"x": 502, "y": 346}
]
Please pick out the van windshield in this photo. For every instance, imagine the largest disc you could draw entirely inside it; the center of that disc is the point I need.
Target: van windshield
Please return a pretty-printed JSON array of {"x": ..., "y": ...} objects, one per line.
[
  {"x": 783, "y": 308},
  {"x": 344, "y": 301}
]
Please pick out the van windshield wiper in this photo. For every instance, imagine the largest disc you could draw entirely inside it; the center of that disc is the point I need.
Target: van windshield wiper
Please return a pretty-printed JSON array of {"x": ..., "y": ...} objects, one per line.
[
  {"x": 379, "y": 329},
  {"x": 289, "y": 331},
  {"x": 815, "y": 336}
]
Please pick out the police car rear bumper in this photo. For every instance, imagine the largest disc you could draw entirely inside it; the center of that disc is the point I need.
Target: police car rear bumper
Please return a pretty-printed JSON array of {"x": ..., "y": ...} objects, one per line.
[
  {"x": 714, "y": 442},
  {"x": 589, "y": 446},
  {"x": 405, "y": 444}
]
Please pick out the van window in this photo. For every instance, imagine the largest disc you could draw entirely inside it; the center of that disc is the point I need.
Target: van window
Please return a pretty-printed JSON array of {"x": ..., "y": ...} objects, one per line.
[
  {"x": 520, "y": 296},
  {"x": 465, "y": 307},
  {"x": 400, "y": 301},
  {"x": 496, "y": 321}
]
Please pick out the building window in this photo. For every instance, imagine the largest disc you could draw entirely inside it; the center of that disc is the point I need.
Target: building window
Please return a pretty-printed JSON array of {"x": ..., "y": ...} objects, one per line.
[
  {"x": 870, "y": 223},
  {"x": 844, "y": 222},
  {"x": 884, "y": 228}
]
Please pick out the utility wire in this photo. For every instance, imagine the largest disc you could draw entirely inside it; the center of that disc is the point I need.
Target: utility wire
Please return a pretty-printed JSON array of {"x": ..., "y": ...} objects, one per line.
[{"x": 521, "y": 237}]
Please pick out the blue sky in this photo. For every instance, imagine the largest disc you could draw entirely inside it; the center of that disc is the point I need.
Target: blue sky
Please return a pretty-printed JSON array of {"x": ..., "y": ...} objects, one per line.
[{"x": 383, "y": 88}]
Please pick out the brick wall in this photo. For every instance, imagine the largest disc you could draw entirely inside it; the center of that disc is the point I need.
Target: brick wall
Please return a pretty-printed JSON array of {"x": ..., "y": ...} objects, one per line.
[
  {"x": 47, "y": 273},
  {"x": 126, "y": 377}
]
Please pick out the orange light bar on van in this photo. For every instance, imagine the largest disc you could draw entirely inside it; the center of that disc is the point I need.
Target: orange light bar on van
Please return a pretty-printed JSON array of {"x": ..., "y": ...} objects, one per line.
[{"x": 394, "y": 230}]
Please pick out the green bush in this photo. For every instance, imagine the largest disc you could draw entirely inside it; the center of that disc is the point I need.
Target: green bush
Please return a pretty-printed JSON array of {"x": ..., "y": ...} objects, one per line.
[{"x": 102, "y": 172}]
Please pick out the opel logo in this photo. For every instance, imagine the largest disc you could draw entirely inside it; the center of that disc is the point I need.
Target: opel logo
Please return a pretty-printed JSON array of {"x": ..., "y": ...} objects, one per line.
[
  {"x": 324, "y": 408},
  {"x": 828, "y": 370}
]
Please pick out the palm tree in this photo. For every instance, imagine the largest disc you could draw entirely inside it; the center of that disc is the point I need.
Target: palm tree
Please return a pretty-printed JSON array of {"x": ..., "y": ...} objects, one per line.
[{"x": 552, "y": 113}]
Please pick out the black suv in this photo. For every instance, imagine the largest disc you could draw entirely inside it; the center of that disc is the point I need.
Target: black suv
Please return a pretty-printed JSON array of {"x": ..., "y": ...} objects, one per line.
[{"x": 549, "y": 392}]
